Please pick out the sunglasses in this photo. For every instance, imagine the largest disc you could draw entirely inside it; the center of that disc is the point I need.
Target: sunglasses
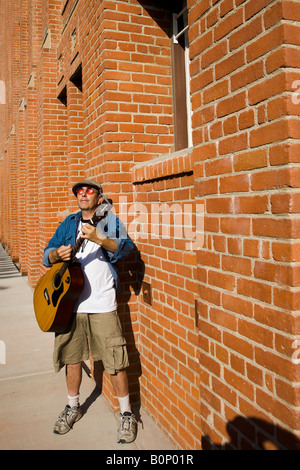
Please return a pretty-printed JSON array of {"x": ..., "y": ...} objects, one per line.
[{"x": 89, "y": 191}]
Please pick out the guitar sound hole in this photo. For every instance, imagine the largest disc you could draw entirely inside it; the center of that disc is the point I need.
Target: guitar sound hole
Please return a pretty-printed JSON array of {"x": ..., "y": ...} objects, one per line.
[{"x": 57, "y": 280}]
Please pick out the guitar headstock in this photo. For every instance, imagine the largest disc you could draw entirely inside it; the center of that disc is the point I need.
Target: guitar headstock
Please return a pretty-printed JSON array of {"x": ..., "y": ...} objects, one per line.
[{"x": 102, "y": 210}]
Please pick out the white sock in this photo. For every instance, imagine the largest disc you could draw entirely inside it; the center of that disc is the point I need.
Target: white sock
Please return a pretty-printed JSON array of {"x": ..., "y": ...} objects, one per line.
[
  {"x": 124, "y": 404},
  {"x": 73, "y": 401}
]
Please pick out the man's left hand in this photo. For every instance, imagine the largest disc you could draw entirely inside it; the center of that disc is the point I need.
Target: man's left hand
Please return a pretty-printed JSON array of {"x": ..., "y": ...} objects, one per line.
[{"x": 92, "y": 233}]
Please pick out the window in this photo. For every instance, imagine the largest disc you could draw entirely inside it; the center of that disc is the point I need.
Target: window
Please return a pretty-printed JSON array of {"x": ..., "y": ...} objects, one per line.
[
  {"x": 181, "y": 79},
  {"x": 76, "y": 78}
]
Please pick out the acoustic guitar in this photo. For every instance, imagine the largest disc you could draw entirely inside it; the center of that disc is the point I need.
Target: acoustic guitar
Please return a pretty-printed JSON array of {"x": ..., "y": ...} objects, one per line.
[{"x": 58, "y": 290}]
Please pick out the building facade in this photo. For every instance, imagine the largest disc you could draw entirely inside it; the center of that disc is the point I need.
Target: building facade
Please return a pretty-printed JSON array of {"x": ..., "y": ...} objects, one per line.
[{"x": 188, "y": 113}]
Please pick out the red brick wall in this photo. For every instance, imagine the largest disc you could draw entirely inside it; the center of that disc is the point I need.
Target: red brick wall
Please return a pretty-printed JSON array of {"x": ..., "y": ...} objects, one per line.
[
  {"x": 245, "y": 149},
  {"x": 128, "y": 69},
  {"x": 168, "y": 338},
  {"x": 33, "y": 249},
  {"x": 213, "y": 357},
  {"x": 12, "y": 82}
]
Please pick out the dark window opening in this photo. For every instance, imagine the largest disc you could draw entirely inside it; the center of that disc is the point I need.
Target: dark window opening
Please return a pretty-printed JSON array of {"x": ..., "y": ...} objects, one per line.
[
  {"x": 76, "y": 78},
  {"x": 181, "y": 79},
  {"x": 62, "y": 97}
]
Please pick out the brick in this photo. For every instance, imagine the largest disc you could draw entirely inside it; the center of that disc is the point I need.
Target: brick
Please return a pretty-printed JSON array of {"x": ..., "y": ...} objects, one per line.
[
  {"x": 225, "y": 391},
  {"x": 253, "y": 8},
  {"x": 251, "y": 160},
  {"x": 286, "y": 57},
  {"x": 264, "y": 44},
  {"x": 234, "y": 246},
  {"x": 286, "y": 299},
  {"x": 281, "y": 228},
  {"x": 285, "y": 391},
  {"x": 254, "y": 374},
  {"x": 237, "y": 183},
  {"x": 231, "y": 104},
  {"x": 278, "y": 409},
  {"x": 228, "y": 24},
  {"x": 236, "y": 264},
  {"x": 230, "y": 125},
  {"x": 269, "y": 133},
  {"x": 235, "y": 343},
  {"x": 233, "y": 144},
  {"x": 216, "y": 91},
  {"x": 238, "y": 383},
  {"x": 292, "y": 34},
  {"x": 287, "y": 252},
  {"x": 209, "y": 294},
  {"x": 221, "y": 280},
  {"x": 285, "y": 203},
  {"x": 204, "y": 187},
  {"x": 214, "y": 54},
  {"x": 208, "y": 259},
  {"x": 245, "y": 34},
  {"x": 247, "y": 75},
  {"x": 275, "y": 363},
  {"x": 201, "y": 43},
  {"x": 217, "y": 167},
  {"x": 219, "y": 205},
  {"x": 254, "y": 289},
  {"x": 270, "y": 180},
  {"x": 239, "y": 225},
  {"x": 266, "y": 89},
  {"x": 251, "y": 248},
  {"x": 228, "y": 65},
  {"x": 251, "y": 204}
]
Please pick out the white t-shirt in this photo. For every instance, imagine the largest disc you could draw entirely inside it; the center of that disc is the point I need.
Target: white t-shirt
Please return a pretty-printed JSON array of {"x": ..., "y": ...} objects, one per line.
[{"x": 99, "y": 293}]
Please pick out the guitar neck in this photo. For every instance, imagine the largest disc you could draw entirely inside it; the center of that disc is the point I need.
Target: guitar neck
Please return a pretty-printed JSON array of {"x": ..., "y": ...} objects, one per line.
[
  {"x": 76, "y": 247},
  {"x": 100, "y": 213},
  {"x": 80, "y": 241}
]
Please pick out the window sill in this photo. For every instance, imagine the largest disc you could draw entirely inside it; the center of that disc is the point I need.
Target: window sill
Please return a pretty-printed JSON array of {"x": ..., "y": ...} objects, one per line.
[{"x": 166, "y": 165}]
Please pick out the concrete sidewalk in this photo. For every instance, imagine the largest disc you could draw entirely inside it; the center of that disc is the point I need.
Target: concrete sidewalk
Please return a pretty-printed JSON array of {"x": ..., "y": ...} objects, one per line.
[{"x": 32, "y": 395}]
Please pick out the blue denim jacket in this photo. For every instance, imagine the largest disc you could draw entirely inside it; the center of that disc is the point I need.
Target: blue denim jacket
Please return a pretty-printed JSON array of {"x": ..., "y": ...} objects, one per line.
[{"x": 110, "y": 226}]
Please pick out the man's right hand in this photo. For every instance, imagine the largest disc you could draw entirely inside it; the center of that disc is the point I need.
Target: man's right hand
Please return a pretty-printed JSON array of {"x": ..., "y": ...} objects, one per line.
[{"x": 63, "y": 253}]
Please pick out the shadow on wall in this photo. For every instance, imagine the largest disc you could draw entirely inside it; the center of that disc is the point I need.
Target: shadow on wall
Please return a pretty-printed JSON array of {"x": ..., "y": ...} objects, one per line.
[
  {"x": 131, "y": 273},
  {"x": 247, "y": 433}
]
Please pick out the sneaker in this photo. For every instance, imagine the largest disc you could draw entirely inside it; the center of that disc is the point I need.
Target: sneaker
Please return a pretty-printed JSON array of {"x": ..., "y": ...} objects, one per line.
[
  {"x": 128, "y": 428},
  {"x": 66, "y": 419}
]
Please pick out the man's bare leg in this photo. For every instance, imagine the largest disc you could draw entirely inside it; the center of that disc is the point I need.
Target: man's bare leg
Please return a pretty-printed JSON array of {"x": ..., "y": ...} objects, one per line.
[
  {"x": 72, "y": 412},
  {"x": 73, "y": 378},
  {"x": 120, "y": 383},
  {"x": 128, "y": 425}
]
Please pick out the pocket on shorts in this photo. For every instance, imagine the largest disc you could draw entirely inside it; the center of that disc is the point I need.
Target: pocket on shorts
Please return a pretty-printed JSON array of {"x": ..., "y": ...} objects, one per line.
[{"x": 116, "y": 353}]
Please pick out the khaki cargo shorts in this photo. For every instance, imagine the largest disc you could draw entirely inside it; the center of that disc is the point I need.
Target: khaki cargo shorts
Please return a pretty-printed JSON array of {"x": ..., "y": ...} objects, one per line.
[{"x": 98, "y": 335}]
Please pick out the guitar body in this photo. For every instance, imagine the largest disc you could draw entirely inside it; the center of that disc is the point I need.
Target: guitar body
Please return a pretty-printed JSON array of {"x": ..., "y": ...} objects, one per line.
[
  {"x": 55, "y": 296},
  {"x": 57, "y": 291}
]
